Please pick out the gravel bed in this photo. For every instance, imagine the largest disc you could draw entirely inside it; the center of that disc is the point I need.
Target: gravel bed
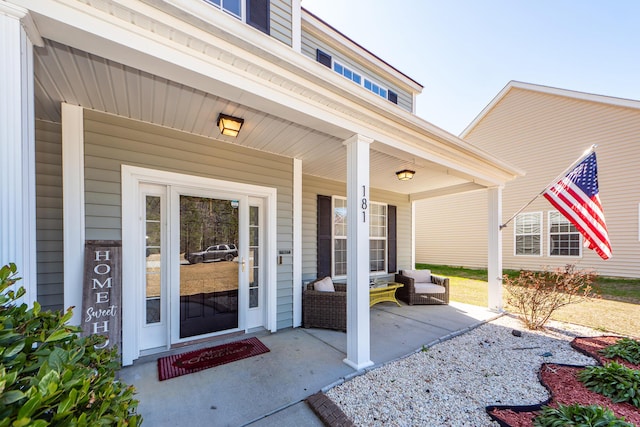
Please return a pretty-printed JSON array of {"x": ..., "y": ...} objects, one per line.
[{"x": 451, "y": 383}]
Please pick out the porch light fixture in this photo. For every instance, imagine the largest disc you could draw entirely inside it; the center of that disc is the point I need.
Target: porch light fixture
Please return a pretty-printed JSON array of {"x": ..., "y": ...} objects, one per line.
[
  {"x": 229, "y": 125},
  {"x": 405, "y": 174}
]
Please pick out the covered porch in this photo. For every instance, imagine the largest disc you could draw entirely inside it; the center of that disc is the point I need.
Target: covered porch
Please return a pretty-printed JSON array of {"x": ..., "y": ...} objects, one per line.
[
  {"x": 116, "y": 98},
  {"x": 270, "y": 389}
]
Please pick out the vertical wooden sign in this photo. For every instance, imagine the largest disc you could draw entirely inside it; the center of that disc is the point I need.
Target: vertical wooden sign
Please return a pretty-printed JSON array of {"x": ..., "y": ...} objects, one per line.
[{"x": 102, "y": 291}]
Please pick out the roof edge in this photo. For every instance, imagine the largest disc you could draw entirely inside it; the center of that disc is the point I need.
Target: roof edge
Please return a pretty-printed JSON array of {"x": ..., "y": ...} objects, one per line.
[{"x": 583, "y": 96}]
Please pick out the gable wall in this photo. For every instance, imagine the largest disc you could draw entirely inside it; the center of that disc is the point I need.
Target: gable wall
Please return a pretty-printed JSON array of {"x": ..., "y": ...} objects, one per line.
[{"x": 543, "y": 134}]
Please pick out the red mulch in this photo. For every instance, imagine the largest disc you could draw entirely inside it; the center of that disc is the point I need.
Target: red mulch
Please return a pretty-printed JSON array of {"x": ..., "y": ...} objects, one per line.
[{"x": 565, "y": 388}]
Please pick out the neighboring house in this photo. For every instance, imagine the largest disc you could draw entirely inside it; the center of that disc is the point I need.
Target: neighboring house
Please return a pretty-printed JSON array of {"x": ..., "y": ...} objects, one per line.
[
  {"x": 110, "y": 133},
  {"x": 542, "y": 131}
]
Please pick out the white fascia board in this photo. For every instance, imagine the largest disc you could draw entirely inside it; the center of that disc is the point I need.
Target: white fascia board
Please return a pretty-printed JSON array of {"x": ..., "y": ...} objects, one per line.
[
  {"x": 356, "y": 52},
  {"x": 582, "y": 96}
]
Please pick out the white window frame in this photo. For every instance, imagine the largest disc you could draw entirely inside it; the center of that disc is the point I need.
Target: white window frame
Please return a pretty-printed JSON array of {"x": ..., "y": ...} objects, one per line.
[
  {"x": 243, "y": 10},
  {"x": 379, "y": 86},
  {"x": 549, "y": 223},
  {"x": 344, "y": 67},
  {"x": 516, "y": 234},
  {"x": 335, "y": 237}
]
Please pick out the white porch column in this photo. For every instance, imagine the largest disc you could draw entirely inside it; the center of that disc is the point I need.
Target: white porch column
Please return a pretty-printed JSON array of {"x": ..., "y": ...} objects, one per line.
[
  {"x": 73, "y": 206},
  {"x": 494, "y": 258},
  {"x": 358, "y": 342},
  {"x": 297, "y": 242},
  {"x": 17, "y": 146}
]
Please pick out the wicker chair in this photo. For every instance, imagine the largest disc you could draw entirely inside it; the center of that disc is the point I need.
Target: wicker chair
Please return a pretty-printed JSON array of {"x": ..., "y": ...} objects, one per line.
[
  {"x": 325, "y": 309},
  {"x": 422, "y": 287}
]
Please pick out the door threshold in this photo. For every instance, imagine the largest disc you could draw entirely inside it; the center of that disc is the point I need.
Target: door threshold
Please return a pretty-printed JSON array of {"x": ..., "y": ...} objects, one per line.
[{"x": 207, "y": 340}]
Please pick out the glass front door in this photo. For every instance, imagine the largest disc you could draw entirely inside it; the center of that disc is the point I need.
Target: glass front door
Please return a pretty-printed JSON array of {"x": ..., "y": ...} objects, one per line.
[{"x": 209, "y": 269}]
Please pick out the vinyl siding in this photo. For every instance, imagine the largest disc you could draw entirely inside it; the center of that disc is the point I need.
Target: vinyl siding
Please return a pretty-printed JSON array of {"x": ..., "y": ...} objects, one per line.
[
  {"x": 49, "y": 239},
  {"x": 111, "y": 141},
  {"x": 543, "y": 134},
  {"x": 452, "y": 230},
  {"x": 309, "y": 45},
  {"x": 281, "y": 19},
  {"x": 313, "y": 186}
]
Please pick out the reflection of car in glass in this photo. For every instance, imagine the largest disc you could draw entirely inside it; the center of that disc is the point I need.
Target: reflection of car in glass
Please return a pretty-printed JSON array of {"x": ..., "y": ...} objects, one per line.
[{"x": 213, "y": 253}]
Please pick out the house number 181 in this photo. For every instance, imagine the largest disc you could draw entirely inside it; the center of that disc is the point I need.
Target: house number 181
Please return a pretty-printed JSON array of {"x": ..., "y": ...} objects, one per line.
[{"x": 364, "y": 204}]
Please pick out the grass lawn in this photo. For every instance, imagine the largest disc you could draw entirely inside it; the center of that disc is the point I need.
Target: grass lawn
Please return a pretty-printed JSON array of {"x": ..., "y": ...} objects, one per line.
[{"x": 617, "y": 311}]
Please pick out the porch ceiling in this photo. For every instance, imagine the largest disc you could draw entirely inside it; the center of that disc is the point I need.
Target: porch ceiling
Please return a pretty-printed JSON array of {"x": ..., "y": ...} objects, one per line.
[{"x": 66, "y": 74}]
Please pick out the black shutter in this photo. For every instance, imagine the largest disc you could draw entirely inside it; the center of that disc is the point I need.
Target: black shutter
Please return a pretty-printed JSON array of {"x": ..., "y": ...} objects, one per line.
[
  {"x": 392, "y": 247},
  {"x": 258, "y": 14},
  {"x": 392, "y": 96},
  {"x": 323, "y": 58},
  {"x": 324, "y": 236}
]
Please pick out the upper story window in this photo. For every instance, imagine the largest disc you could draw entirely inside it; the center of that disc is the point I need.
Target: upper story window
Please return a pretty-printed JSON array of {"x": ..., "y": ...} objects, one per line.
[
  {"x": 564, "y": 237},
  {"x": 254, "y": 12},
  {"x": 351, "y": 75},
  {"x": 528, "y": 234},
  {"x": 231, "y": 6},
  {"x": 368, "y": 84},
  {"x": 326, "y": 60}
]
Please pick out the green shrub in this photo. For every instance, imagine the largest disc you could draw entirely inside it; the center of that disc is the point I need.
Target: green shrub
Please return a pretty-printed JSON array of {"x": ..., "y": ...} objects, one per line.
[
  {"x": 625, "y": 348},
  {"x": 613, "y": 380},
  {"x": 49, "y": 376},
  {"x": 578, "y": 416},
  {"x": 535, "y": 295}
]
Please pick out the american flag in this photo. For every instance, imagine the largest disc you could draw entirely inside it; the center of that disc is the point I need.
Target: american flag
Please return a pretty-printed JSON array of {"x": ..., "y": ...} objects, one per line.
[{"x": 576, "y": 197}]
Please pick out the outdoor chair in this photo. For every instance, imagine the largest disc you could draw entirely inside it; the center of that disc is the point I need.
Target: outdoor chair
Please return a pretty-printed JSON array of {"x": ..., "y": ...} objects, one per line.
[
  {"x": 422, "y": 287},
  {"x": 324, "y": 309}
]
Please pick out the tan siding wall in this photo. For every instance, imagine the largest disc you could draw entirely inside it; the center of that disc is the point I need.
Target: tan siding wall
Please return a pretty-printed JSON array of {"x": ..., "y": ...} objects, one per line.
[
  {"x": 312, "y": 186},
  {"x": 452, "y": 230},
  {"x": 309, "y": 45},
  {"x": 49, "y": 238},
  {"x": 112, "y": 141},
  {"x": 543, "y": 134},
  {"x": 281, "y": 21}
]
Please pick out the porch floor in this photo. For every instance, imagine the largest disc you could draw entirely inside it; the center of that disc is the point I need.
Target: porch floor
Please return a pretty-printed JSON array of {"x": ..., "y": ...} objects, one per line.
[{"x": 270, "y": 389}]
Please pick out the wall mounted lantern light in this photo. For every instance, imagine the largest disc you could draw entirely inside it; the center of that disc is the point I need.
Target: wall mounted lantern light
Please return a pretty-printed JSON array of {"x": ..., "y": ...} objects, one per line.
[
  {"x": 229, "y": 125},
  {"x": 405, "y": 174}
]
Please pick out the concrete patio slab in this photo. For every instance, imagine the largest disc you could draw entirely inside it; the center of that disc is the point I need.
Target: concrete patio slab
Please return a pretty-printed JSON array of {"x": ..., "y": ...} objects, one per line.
[{"x": 270, "y": 389}]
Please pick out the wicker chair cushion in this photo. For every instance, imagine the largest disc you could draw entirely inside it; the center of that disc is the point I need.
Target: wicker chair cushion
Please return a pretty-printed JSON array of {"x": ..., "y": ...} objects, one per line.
[
  {"x": 324, "y": 285},
  {"x": 419, "y": 276},
  {"x": 429, "y": 288}
]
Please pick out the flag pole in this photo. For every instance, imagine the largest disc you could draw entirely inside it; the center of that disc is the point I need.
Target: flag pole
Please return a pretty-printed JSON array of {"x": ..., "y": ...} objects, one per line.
[{"x": 555, "y": 180}]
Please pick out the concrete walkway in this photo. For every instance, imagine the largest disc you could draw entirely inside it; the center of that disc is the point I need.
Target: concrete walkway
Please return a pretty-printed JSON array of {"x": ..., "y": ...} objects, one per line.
[{"x": 270, "y": 389}]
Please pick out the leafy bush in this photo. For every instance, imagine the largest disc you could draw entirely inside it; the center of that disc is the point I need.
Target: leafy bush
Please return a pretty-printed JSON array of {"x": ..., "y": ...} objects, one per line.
[
  {"x": 613, "y": 380},
  {"x": 537, "y": 294},
  {"x": 625, "y": 348},
  {"x": 578, "y": 416},
  {"x": 51, "y": 377}
]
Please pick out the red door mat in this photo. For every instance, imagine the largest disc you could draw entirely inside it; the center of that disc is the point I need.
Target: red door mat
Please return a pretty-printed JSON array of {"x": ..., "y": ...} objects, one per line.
[{"x": 198, "y": 360}]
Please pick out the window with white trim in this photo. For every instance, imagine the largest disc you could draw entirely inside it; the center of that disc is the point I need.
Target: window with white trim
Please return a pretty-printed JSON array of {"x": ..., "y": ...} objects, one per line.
[
  {"x": 256, "y": 13},
  {"x": 326, "y": 60},
  {"x": 377, "y": 89},
  {"x": 564, "y": 237},
  {"x": 347, "y": 72},
  {"x": 528, "y": 234},
  {"x": 234, "y": 7},
  {"x": 377, "y": 237}
]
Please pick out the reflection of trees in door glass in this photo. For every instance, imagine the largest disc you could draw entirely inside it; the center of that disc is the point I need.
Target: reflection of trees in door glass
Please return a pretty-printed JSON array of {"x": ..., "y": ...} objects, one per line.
[{"x": 205, "y": 222}]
